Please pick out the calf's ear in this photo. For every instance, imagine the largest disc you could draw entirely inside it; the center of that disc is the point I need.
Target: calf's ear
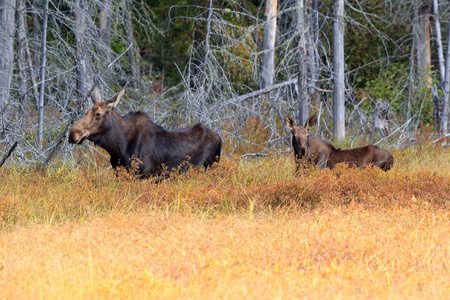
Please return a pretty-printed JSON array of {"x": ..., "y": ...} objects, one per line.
[
  {"x": 311, "y": 121},
  {"x": 115, "y": 99},
  {"x": 290, "y": 123}
]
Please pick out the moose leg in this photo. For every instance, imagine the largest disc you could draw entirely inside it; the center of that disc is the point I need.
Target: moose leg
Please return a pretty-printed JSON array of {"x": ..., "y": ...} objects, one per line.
[
  {"x": 119, "y": 162},
  {"x": 321, "y": 161},
  {"x": 114, "y": 160}
]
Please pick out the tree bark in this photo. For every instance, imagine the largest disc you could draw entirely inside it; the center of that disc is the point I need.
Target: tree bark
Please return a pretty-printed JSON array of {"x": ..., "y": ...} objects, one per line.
[
  {"x": 83, "y": 70},
  {"x": 10, "y": 151},
  {"x": 104, "y": 22},
  {"x": 7, "y": 16},
  {"x": 42, "y": 77},
  {"x": 267, "y": 58},
  {"x": 446, "y": 87},
  {"x": 422, "y": 42},
  {"x": 311, "y": 45},
  {"x": 338, "y": 72},
  {"x": 440, "y": 51},
  {"x": 22, "y": 54},
  {"x": 302, "y": 53}
]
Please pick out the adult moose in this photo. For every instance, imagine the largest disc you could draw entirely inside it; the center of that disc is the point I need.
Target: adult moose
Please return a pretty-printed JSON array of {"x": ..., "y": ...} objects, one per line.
[
  {"x": 324, "y": 155},
  {"x": 135, "y": 136}
]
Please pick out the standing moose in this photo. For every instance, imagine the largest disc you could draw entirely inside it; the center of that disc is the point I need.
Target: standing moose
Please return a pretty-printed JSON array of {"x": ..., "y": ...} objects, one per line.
[
  {"x": 321, "y": 153},
  {"x": 135, "y": 136}
]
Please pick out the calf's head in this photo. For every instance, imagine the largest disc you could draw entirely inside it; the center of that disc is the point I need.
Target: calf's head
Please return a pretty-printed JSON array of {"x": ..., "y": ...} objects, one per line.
[
  {"x": 300, "y": 133},
  {"x": 94, "y": 121}
]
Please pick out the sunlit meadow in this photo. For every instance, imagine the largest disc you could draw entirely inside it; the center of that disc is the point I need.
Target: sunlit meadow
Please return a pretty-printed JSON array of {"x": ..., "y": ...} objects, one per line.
[{"x": 248, "y": 228}]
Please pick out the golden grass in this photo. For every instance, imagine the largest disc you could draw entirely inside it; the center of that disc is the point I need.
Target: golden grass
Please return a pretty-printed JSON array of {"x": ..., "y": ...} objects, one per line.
[{"x": 245, "y": 229}]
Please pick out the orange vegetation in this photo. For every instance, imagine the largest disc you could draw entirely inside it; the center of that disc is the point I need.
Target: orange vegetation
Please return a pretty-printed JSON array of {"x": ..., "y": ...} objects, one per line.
[{"x": 246, "y": 229}]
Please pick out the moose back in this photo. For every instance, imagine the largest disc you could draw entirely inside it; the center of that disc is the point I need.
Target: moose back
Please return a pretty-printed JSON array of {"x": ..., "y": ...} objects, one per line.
[
  {"x": 324, "y": 155},
  {"x": 135, "y": 136}
]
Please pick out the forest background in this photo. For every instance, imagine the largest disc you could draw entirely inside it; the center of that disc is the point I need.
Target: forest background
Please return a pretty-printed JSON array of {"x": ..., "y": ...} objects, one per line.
[{"x": 237, "y": 66}]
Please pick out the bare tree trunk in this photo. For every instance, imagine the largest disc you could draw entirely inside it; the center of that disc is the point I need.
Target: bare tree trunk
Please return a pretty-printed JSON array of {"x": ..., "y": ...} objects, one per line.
[
  {"x": 338, "y": 73},
  {"x": 307, "y": 61},
  {"x": 7, "y": 16},
  {"x": 130, "y": 39},
  {"x": 302, "y": 82},
  {"x": 42, "y": 77},
  {"x": 422, "y": 42},
  {"x": 22, "y": 54},
  {"x": 441, "y": 107},
  {"x": 440, "y": 51},
  {"x": 267, "y": 59},
  {"x": 83, "y": 71},
  {"x": 311, "y": 46},
  {"x": 104, "y": 22},
  {"x": 446, "y": 87}
]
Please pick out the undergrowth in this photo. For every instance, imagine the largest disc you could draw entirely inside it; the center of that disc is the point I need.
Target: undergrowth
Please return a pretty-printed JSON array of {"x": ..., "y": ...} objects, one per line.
[{"x": 421, "y": 176}]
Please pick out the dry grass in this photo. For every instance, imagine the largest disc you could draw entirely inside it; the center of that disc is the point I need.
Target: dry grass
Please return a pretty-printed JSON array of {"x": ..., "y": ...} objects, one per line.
[{"x": 246, "y": 229}]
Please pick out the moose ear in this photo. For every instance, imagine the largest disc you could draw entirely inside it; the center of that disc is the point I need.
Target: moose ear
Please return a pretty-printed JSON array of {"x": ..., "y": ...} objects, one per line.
[
  {"x": 290, "y": 123},
  {"x": 311, "y": 121},
  {"x": 115, "y": 99},
  {"x": 95, "y": 95}
]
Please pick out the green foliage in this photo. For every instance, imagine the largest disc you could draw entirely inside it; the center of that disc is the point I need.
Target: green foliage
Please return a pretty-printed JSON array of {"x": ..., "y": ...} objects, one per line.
[
  {"x": 372, "y": 39},
  {"x": 389, "y": 85}
]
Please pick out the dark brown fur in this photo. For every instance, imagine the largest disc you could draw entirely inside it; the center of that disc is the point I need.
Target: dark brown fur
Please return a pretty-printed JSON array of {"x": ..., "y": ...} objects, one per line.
[
  {"x": 135, "y": 136},
  {"x": 324, "y": 155}
]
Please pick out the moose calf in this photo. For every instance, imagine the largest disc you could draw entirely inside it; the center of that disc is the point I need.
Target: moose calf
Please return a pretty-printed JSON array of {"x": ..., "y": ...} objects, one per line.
[{"x": 324, "y": 155}]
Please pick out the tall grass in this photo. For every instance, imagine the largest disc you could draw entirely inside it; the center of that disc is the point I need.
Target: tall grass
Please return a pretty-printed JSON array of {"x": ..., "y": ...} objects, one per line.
[{"x": 261, "y": 184}]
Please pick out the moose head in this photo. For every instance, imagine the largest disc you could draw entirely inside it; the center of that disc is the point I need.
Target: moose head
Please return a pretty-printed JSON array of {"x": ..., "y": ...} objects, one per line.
[
  {"x": 300, "y": 133},
  {"x": 94, "y": 121}
]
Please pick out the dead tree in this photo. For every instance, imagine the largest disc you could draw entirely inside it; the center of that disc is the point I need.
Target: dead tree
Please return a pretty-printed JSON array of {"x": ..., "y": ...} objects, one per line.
[
  {"x": 267, "y": 58},
  {"x": 7, "y": 17},
  {"x": 338, "y": 72},
  {"x": 42, "y": 76}
]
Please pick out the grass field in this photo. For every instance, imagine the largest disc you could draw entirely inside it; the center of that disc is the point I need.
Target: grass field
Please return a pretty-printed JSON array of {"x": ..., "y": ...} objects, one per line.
[{"x": 245, "y": 229}]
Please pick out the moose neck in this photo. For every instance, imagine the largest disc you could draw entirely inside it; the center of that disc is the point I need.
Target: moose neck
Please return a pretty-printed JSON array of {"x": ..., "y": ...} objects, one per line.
[{"x": 114, "y": 136}]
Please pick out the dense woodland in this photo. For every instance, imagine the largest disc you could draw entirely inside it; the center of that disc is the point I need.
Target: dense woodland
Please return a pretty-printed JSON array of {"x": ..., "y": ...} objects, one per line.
[{"x": 373, "y": 71}]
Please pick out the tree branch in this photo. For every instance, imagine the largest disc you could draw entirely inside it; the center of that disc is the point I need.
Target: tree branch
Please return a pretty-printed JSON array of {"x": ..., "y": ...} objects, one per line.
[
  {"x": 265, "y": 90},
  {"x": 8, "y": 154}
]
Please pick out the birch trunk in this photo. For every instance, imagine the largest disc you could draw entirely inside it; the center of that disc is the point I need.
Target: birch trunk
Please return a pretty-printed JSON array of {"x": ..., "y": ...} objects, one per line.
[
  {"x": 338, "y": 72},
  {"x": 267, "y": 58}
]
